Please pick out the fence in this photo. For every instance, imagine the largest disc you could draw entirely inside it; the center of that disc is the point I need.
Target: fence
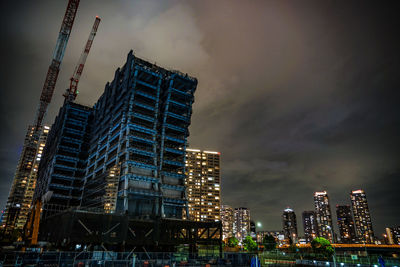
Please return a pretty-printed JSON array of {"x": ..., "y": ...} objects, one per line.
[
  {"x": 162, "y": 259},
  {"x": 279, "y": 258},
  {"x": 121, "y": 259}
]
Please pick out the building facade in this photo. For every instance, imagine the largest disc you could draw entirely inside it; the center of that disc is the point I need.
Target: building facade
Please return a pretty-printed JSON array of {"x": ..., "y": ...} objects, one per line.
[
  {"x": 139, "y": 135},
  {"x": 345, "y": 224},
  {"x": 62, "y": 168},
  {"x": 203, "y": 184},
  {"x": 227, "y": 221},
  {"x": 23, "y": 186},
  {"x": 310, "y": 225},
  {"x": 289, "y": 224},
  {"x": 324, "y": 215},
  {"x": 241, "y": 223},
  {"x": 362, "y": 217}
]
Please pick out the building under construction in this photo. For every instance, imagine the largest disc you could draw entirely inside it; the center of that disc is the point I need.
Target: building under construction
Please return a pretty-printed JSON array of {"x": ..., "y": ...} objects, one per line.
[
  {"x": 140, "y": 127},
  {"x": 123, "y": 161},
  {"x": 22, "y": 189},
  {"x": 63, "y": 165}
]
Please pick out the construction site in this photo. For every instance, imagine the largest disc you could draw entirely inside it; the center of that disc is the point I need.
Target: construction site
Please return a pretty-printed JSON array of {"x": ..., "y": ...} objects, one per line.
[{"x": 110, "y": 176}]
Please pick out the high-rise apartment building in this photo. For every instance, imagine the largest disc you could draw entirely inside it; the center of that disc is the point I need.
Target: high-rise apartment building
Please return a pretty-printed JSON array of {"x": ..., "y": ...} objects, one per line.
[
  {"x": 203, "y": 184},
  {"x": 345, "y": 224},
  {"x": 289, "y": 224},
  {"x": 135, "y": 147},
  {"x": 310, "y": 225},
  {"x": 22, "y": 189},
  {"x": 362, "y": 216},
  {"x": 241, "y": 223},
  {"x": 324, "y": 215},
  {"x": 389, "y": 236},
  {"x": 396, "y": 235},
  {"x": 227, "y": 221}
]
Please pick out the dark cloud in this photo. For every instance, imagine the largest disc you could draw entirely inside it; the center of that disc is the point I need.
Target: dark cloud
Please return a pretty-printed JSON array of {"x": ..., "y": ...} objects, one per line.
[{"x": 298, "y": 96}]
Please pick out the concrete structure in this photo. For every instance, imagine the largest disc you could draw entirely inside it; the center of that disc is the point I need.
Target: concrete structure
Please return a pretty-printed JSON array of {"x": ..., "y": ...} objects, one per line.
[
  {"x": 241, "y": 223},
  {"x": 227, "y": 221},
  {"x": 22, "y": 189},
  {"x": 203, "y": 184},
  {"x": 310, "y": 225},
  {"x": 324, "y": 215},
  {"x": 362, "y": 217},
  {"x": 289, "y": 225},
  {"x": 345, "y": 224}
]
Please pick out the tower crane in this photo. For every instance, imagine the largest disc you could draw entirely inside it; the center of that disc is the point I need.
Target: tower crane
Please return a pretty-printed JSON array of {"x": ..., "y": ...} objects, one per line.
[
  {"x": 54, "y": 68},
  {"x": 71, "y": 93},
  {"x": 45, "y": 99}
]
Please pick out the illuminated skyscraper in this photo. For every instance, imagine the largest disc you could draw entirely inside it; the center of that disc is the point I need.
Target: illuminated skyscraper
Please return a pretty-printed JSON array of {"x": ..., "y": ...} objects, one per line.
[
  {"x": 21, "y": 193},
  {"x": 324, "y": 215},
  {"x": 389, "y": 236},
  {"x": 241, "y": 223},
  {"x": 202, "y": 183},
  {"x": 310, "y": 225},
  {"x": 396, "y": 235},
  {"x": 362, "y": 217},
  {"x": 227, "y": 221},
  {"x": 345, "y": 223},
  {"x": 289, "y": 224}
]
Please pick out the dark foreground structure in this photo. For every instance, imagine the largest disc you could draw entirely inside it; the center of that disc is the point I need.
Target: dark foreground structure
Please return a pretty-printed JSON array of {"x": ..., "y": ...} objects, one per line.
[{"x": 119, "y": 232}]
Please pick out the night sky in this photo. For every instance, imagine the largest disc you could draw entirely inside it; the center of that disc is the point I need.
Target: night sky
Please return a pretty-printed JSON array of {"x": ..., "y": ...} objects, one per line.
[{"x": 298, "y": 96}]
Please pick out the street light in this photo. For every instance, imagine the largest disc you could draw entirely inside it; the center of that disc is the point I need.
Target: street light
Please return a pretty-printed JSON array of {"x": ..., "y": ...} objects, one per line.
[{"x": 334, "y": 251}]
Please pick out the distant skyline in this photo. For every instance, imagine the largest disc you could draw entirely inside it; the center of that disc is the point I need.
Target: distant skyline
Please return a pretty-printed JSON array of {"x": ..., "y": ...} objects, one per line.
[{"x": 297, "y": 96}]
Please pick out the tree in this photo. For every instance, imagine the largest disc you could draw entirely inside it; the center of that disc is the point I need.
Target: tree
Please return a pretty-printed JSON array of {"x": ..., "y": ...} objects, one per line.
[
  {"x": 321, "y": 245},
  {"x": 269, "y": 242},
  {"x": 233, "y": 242},
  {"x": 249, "y": 244}
]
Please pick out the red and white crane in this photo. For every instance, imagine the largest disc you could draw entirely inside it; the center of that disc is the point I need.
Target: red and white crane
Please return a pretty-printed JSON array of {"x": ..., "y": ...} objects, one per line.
[
  {"x": 71, "y": 93},
  {"x": 54, "y": 68}
]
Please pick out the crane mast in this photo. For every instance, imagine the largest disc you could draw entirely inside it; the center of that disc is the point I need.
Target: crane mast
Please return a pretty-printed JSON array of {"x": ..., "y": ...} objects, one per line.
[
  {"x": 72, "y": 92},
  {"x": 54, "y": 68}
]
